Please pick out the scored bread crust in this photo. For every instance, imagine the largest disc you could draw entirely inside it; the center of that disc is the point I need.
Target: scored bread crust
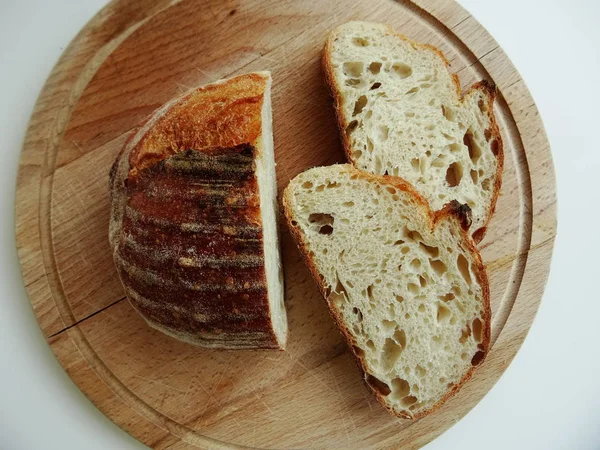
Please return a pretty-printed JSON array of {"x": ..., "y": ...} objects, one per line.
[
  {"x": 484, "y": 86},
  {"x": 452, "y": 211},
  {"x": 212, "y": 289}
]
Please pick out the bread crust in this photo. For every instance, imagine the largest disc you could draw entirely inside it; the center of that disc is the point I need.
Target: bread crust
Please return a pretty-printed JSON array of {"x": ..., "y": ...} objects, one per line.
[
  {"x": 484, "y": 86},
  {"x": 186, "y": 227},
  {"x": 449, "y": 212}
]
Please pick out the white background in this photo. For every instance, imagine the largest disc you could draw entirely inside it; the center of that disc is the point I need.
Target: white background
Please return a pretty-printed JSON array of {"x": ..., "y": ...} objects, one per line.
[{"x": 549, "y": 398}]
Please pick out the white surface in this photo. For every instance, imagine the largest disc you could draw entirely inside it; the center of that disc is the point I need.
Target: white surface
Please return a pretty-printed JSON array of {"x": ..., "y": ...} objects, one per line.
[{"x": 549, "y": 398}]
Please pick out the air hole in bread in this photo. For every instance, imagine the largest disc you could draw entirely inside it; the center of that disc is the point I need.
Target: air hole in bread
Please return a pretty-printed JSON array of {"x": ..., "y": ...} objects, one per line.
[
  {"x": 390, "y": 353},
  {"x": 448, "y": 113},
  {"x": 438, "y": 267},
  {"x": 352, "y": 82},
  {"x": 474, "y": 150},
  {"x": 443, "y": 313},
  {"x": 477, "y": 358},
  {"x": 426, "y": 86},
  {"x": 348, "y": 204},
  {"x": 431, "y": 102},
  {"x": 455, "y": 148},
  {"x": 400, "y": 337},
  {"x": 375, "y": 86},
  {"x": 463, "y": 267},
  {"x": 356, "y": 154},
  {"x": 370, "y": 345},
  {"x": 360, "y": 42},
  {"x": 353, "y": 69},
  {"x": 486, "y": 184},
  {"x": 412, "y": 288},
  {"x": 482, "y": 106},
  {"x": 422, "y": 308},
  {"x": 382, "y": 133},
  {"x": 399, "y": 298},
  {"x": 339, "y": 287},
  {"x": 447, "y": 297},
  {"x": 464, "y": 356},
  {"x": 378, "y": 385},
  {"x": 488, "y": 134},
  {"x": 464, "y": 334},
  {"x": 415, "y": 264},
  {"x": 335, "y": 298},
  {"x": 421, "y": 372},
  {"x": 474, "y": 176},
  {"x": 431, "y": 251},
  {"x": 402, "y": 70},
  {"x": 477, "y": 329},
  {"x": 408, "y": 401},
  {"x": 375, "y": 68},
  {"x": 323, "y": 221},
  {"x": 370, "y": 294},
  {"x": 400, "y": 388},
  {"x": 454, "y": 174},
  {"x": 412, "y": 91},
  {"x": 351, "y": 127},
  {"x": 388, "y": 325},
  {"x": 414, "y": 235},
  {"x": 360, "y": 104}
]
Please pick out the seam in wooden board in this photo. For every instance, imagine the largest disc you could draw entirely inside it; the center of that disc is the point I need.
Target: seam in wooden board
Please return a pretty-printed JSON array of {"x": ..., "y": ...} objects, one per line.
[
  {"x": 80, "y": 321},
  {"x": 105, "y": 373}
]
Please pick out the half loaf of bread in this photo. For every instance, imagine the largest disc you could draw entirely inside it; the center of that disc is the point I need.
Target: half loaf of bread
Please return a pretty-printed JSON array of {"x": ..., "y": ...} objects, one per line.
[
  {"x": 406, "y": 286},
  {"x": 401, "y": 113},
  {"x": 194, "y": 218}
]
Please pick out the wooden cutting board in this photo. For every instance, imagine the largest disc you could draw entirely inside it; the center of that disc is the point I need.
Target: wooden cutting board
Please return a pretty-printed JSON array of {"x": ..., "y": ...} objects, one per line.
[{"x": 134, "y": 56}]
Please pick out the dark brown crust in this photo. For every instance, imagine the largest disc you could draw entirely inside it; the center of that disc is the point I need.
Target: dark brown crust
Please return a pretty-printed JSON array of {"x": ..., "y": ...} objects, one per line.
[
  {"x": 462, "y": 212},
  {"x": 485, "y": 86},
  {"x": 189, "y": 247},
  {"x": 447, "y": 213}
]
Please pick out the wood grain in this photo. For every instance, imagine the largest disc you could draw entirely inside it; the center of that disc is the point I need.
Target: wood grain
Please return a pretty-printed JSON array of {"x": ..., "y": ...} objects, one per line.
[{"x": 134, "y": 56}]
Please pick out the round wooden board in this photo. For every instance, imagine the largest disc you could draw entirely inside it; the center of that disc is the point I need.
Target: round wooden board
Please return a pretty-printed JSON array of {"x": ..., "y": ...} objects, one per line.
[{"x": 135, "y": 55}]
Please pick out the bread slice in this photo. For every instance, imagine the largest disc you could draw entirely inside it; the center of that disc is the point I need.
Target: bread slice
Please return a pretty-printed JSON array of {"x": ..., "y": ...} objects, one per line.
[
  {"x": 401, "y": 113},
  {"x": 194, "y": 218},
  {"x": 406, "y": 286}
]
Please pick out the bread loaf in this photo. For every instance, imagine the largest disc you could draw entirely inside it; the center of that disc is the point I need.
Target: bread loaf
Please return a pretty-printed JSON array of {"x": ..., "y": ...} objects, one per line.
[
  {"x": 406, "y": 286},
  {"x": 194, "y": 218},
  {"x": 401, "y": 113}
]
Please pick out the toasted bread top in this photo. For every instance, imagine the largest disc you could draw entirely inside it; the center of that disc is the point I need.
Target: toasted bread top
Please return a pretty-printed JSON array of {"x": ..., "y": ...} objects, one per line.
[{"x": 223, "y": 114}]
